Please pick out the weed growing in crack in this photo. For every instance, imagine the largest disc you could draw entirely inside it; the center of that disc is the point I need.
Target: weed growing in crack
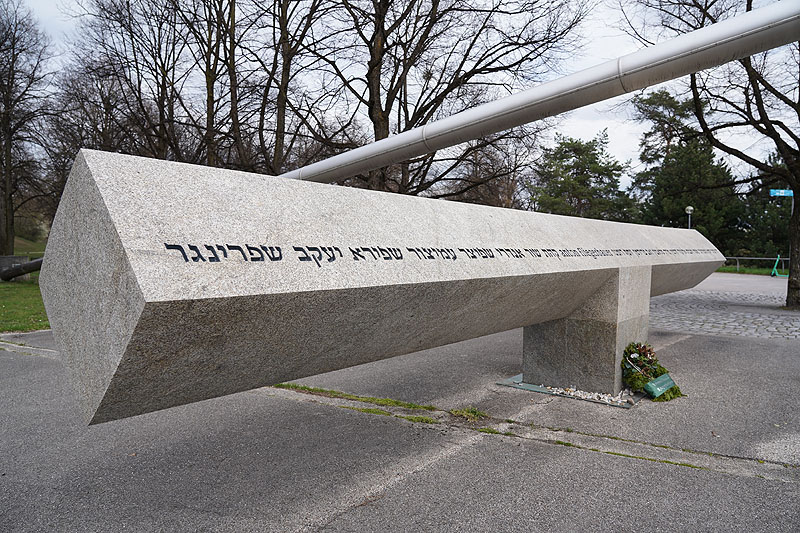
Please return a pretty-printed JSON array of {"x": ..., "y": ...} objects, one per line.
[
  {"x": 470, "y": 413},
  {"x": 385, "y": 402},
  {"x": 368, "y": 410},
  {"x": 419, "y": 419}
]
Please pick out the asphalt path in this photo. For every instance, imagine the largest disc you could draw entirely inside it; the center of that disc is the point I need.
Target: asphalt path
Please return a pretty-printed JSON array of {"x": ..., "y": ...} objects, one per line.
[{"x": 726, "y": 457}]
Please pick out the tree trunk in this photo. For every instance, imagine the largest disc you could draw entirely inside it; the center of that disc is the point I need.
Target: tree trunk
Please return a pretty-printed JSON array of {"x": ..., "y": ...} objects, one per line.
[
  {"x": 7, "y": 274},
  {"x": 236, "y": 130},
  {"x": 377, "y": 115},
  {"x": 280, "y": 116},
  {"x": 7, "y": 202},
  {"x": 210, "y": 71},
  {"x": 283, "y": 91},
  {"x": 8, "y": 223},
  {"x": 793, "y": 289}
]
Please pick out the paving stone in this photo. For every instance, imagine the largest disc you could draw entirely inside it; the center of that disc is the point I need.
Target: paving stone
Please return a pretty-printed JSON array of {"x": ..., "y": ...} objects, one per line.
[{"x": 719, "y": 313}]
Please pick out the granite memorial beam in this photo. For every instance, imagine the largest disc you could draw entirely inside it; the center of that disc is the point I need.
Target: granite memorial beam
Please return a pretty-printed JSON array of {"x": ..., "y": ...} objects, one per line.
[{"x": 167, "y": 283}]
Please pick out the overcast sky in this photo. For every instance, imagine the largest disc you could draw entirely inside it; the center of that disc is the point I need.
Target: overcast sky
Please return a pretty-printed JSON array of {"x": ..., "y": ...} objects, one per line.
[{"x": 603, "y": 42}]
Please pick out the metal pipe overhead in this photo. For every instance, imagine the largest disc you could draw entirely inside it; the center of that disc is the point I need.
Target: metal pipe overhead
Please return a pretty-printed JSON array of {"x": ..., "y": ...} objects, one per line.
[{"x": 742, "y": 36}]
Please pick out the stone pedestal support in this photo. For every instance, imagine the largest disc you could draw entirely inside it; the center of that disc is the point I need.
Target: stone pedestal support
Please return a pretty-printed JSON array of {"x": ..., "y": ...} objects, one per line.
[{"x": 584, "y": 349}]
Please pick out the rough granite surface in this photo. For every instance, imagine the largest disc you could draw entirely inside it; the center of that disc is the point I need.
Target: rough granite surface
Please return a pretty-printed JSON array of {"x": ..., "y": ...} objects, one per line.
[
  {"x": 584, "y": 350},
  {"x": 192, "y": 282}
]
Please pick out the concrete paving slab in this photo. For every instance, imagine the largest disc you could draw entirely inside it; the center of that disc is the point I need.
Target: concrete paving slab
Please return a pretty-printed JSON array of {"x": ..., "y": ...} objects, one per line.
[
  {"x": 248, "y": 462},
  {"x": 725, "y": 457},
  {"x": 272, "y": 460},
  {"x": 746, "y": 283},
  {"x": 449, "y": 377},
  {"x": 37, "y": 339},
  {"x": 495, "y": 485},
  {"x": 738, "y": 400}
]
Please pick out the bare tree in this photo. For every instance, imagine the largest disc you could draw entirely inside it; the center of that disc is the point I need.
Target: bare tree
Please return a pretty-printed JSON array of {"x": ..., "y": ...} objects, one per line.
[
  {"x": 23, "y": 81},
  {"x": 406, "y": 63},
  {"x": 138, "y": 44},
  {"x": 209, "y": 81},
  {"x": 264, "y": 86},
  {"x": 218, "y": 33},
  {"x": 509, "y": 163},
  {"x": 205, "y": 35},
  {"x": 88, "y": 110},
  {"x": 758, "y": 96},
  {"x": 282, "y": 33}
]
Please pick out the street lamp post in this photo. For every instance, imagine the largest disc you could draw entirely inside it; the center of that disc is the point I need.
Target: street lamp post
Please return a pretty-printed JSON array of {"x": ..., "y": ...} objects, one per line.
[{"x": 689, "y": 210}]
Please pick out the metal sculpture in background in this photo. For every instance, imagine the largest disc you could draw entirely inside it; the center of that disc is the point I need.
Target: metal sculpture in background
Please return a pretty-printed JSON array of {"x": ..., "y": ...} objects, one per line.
[{"x": 734, "y": 38}]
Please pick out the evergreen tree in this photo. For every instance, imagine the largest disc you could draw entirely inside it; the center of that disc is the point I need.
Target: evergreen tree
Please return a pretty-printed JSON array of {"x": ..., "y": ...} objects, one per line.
[
  {"x": 766, "y": 229},
  {"x": 753, "y": 96},
  {"x": 682, "y": 171},
  {"x": 580, "y": 179},
  {"x": 689, "y": 176}
]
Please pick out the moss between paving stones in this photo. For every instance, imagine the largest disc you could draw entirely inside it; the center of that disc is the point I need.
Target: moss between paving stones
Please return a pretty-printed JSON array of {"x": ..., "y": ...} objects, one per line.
[
  {"x": 386, "y": 402},
  {"x": 368, "y": 410},
  {"x": 470, "y": 413},
  {"x": 418, "y": 419}
]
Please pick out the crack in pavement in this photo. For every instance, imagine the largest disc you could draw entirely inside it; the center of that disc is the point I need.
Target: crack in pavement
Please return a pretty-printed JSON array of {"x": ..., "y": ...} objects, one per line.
[
  {"x": 28, "y": 350},
  {"x": 587, "y": 442}
]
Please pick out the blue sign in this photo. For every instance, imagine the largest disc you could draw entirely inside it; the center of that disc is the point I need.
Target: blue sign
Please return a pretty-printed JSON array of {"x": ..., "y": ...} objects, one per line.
[{"x": 781, "y": 192}]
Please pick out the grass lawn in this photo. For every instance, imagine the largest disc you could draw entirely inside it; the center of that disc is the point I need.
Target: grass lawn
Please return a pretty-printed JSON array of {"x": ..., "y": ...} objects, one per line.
[
  {"x": 21, "y": 307},
  {"x": 30, "y": 248},
  {"x": 751, "y": 270}
]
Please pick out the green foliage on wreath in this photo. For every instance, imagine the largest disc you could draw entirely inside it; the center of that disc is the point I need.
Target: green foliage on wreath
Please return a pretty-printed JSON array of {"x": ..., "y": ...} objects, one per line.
[{"x": 640, "y": 366}]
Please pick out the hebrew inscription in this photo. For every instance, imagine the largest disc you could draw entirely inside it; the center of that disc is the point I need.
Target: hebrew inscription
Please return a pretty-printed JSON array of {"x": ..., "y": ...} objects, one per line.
[
  {"x": 248, "y": 252},
  {"x": 376, "y": 253},
  {"x": 315, "y": 253},
  {"x": 434, "y": 253},
  {"x": 322, "y": 255},
  {"x": 477, "y": 253}
]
